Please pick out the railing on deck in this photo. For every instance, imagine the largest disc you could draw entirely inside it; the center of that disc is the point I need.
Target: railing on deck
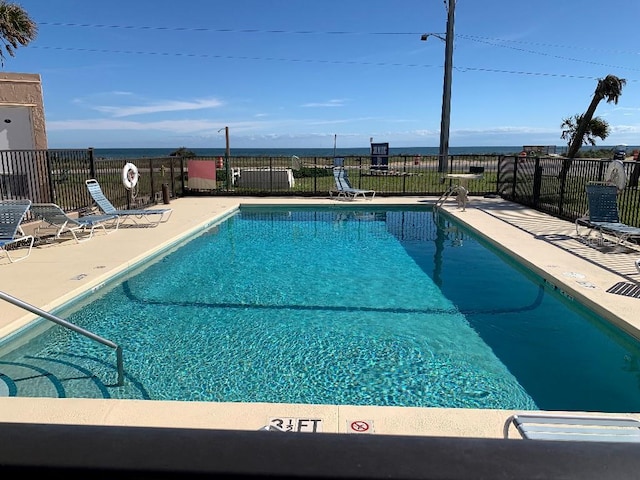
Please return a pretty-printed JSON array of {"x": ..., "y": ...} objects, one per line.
[
  {"x": 313, "y": 176},
  {"x": 557, "y": 185},
  {"x": 550, "y": 184},
  {"x": 58, "y": 176}
]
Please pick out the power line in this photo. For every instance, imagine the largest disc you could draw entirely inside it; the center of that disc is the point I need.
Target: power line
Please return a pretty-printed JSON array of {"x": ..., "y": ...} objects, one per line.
[
  {"x": 539, "y": 44},
  {"x": 221, "y": 30},
  {"x": 322, "y": 32},
  {"x": 298, "y": 60},
  {"x": 494, "y": 44}
]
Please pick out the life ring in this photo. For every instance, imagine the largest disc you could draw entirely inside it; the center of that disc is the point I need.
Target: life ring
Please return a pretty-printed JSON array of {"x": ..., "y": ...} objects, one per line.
[{"x": 130, "y": 176}]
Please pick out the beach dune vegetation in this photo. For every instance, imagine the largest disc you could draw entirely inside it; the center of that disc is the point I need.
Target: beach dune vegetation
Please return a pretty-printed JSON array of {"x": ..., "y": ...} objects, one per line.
[{"x": 182, "y": 152}]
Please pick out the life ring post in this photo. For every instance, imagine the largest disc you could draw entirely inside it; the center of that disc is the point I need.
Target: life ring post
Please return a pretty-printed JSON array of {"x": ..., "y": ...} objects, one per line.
[{"x": 130, "y": 176}]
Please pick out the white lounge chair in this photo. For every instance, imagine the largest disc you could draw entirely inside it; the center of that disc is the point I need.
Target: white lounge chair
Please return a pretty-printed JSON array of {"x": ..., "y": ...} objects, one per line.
[
  {"x": 12, "y": 212},
  {"x": 344, "y": 188},
  {"x": 581, "y": 428},
  {"x": 152, "y": 216},
  {"x": 55, "y": 217}
]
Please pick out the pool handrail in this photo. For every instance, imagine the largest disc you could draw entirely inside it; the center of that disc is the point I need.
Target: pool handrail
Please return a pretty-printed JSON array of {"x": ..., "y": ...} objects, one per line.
[{"x": 64, "y": 323}]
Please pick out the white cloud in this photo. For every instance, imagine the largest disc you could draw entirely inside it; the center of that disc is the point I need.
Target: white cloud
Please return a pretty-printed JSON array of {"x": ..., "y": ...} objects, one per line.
[
  {"x": 180, "y": 126},
  {"x": 168, "y": 106},
  {"x": 505, "y": 130},
  {"x": 185, "y": 126},
  {"x": 330, "y": 103},
  {"x": 626, "y": 129}
]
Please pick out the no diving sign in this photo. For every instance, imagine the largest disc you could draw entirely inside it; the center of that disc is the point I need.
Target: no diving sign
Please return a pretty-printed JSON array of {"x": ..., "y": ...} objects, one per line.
[
  {"x": 314, "y": 425},
  {"x": 359, "y": 426}
]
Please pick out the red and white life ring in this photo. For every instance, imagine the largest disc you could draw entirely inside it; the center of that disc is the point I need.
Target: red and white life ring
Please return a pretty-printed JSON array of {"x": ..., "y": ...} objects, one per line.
[{"x": 130, "y": 176}]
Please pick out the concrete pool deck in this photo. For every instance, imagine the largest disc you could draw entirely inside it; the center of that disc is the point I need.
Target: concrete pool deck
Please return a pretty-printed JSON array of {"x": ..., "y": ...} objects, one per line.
[{"x": 58, "y": 272}]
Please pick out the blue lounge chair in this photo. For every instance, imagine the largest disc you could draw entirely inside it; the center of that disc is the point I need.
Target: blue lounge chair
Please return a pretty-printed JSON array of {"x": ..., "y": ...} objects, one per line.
[
  {"x": 580, "y": 428},
  {"x": 55, "y": 217},
  {"x": 12, "y": 212},
  {"x": 151, "y": 216},
  {"x": 344, "y": 188},
  {"x": 603, "y": 217}
]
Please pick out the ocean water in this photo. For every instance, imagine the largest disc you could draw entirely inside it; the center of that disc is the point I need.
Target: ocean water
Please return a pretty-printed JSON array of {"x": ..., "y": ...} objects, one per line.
[
  {"x": 325, "y": 152},
  {"x": 300, "y": 152}
]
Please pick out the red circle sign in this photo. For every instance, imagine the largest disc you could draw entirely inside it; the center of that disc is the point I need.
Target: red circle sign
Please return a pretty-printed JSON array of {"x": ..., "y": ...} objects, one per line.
[{"x": 359, "y": 426}]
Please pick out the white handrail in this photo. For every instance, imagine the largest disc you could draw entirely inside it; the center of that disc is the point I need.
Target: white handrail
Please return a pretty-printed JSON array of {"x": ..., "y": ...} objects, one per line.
[{"x": 63, "y": 323}]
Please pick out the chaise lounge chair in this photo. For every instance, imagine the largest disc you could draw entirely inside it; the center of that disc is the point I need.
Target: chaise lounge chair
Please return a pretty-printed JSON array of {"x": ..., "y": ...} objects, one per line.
[
  {"x": 581, "y": 428},
  {"x": 54, "y": 217},
  {"x": 11, "y": 214},
  {"x": 151, "y": 216},
  {"x": 603, "y": 217},
  {"x": 344, "y": 188}
]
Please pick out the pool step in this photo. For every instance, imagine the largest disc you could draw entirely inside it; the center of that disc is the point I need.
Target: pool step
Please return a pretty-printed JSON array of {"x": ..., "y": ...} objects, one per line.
[{"x": 64, "y": 376}]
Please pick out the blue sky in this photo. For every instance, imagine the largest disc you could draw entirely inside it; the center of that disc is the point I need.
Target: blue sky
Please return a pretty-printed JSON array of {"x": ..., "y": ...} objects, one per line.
[{"x": 296, "y": 73}]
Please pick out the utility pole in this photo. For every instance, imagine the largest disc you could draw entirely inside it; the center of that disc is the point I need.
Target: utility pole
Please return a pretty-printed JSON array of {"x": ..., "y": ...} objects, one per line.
[
  {"x": 445, "y": 121},
  {"x": 227, "y": 154}
]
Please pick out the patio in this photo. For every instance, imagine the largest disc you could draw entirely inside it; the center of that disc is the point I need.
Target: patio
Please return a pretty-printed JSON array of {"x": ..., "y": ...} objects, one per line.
[{"x": 57, "y": 272}]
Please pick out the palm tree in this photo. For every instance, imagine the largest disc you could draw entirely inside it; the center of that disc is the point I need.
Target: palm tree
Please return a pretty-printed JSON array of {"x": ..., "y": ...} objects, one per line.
[
  {"x": 596, "y": 128},
  {"x": 16, "y": 28},
  {"x": 609, "y": 88}
]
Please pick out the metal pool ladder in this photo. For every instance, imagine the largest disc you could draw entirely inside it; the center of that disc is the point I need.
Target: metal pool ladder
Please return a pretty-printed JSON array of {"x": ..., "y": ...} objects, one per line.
[
  {"x": 460, "y": 189},
  {"x": 63, "y": 323}
]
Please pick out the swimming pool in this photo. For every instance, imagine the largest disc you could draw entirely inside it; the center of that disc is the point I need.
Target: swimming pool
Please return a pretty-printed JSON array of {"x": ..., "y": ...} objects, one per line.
[{"x": 354, "y": 306}]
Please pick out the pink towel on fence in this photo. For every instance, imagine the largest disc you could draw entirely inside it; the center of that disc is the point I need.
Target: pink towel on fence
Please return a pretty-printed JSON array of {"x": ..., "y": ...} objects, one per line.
[{"x": 202, "y": 174}]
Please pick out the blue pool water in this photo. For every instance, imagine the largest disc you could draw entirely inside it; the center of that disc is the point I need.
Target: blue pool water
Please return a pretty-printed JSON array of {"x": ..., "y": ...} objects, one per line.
[{"x": 355, "y": 306}]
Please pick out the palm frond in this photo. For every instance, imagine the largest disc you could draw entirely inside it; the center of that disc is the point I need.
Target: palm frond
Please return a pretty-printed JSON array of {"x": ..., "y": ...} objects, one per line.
[{"x": 16, "y": 28}]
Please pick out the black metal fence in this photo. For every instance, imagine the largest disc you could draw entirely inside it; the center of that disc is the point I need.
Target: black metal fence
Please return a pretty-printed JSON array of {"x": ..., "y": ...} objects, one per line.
[
  {"x": 58, "y": 176},
  {"x": 313, "y": 176},
  {"x": 557, "y": 186},
  {"x": 550, "y": 184}
]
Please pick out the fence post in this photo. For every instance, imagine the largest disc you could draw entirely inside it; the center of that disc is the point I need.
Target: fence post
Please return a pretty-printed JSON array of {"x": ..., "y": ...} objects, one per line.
[
  {"x": 173, "y": 178},
  {"x": 537, "y": 182},
  {"x": 515, "y": 176},
  {"x": 270, "y": 175},
  {"x": 52, "y": 192},
  {"x": 182, "y": 174},
  {"x": 151, "y": 183},
  {"x": 404, "y": 175},
  {"x": 92, "y": 164},
  {"x": 315, "y": 175}
]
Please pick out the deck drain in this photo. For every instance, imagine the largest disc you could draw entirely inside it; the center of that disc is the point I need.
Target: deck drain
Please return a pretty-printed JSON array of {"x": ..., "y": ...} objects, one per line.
[
  {"x": 625, "y": 288},
  {"x": 586, "y": 284},
  {"x": 79, "y": 277}
]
